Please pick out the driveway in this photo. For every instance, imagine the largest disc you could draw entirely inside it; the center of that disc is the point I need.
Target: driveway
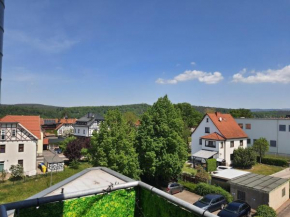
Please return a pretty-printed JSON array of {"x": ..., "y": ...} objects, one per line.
[
  {"x": 283, "y": 174},
  {"x": 190, "y": 198}
]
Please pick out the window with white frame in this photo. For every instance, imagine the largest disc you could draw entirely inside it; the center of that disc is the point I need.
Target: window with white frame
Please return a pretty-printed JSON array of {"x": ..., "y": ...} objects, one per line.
[
  {"x": 273, "y": 143},
  {"x": 211, "y": 144},
  {"x": 232, "y": 144},
  {"x": 2, "y": 134},
  {"x": 13, "y": 132},
  {"x": 222, "y": 144},
  {"x": 241, "y": 142},
  {"x": 207, "y": 130}
]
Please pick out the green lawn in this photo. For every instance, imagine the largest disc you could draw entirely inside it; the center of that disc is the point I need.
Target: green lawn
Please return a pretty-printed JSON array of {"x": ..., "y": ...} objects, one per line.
[
  {"x": 186, "y": 168},
  {"x": 21, "y": 190},
  {"x": 265, "y": 169}
]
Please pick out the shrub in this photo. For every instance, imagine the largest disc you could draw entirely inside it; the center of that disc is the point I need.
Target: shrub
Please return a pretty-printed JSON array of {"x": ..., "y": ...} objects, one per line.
[
  {"x": 16, "y": 172},
  {"x": 244, "y": 157},
  {"x": 204, "y": 189},
  {"x": 275, "y": 161},
  {"x": 202, "y": 175},
  {"x": 211, "y": 165},
  {"x": 265, "y": 211},
  {"x": 74, "y": 164},
  {"x": 188, "y": 185},
  {"x": 3, "y": 175}
]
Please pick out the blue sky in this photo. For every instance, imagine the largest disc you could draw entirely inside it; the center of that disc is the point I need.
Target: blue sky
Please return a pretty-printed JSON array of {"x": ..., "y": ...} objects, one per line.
[{"x": 110, "y": 52}]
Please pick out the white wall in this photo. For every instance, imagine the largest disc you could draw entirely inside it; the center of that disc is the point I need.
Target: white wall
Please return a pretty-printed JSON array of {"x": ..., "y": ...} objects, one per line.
[
  {"x": 199, "y": 132},
  {"x": 11, "y": 155},
  {"x": 269, "y": 129},
  {"x": 230, "y": 150},
  {"x": 81, "y": 131},
  {"x": 65, "y": 130}
]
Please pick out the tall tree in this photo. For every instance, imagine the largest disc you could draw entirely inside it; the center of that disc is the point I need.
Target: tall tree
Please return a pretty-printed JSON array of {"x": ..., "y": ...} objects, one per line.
[
  {"x": 161, "y": 149},
  {"x": 261, "y": 146},
  {"x": 190, "y": 115},
  {"x": 130, "y": 118},
  {"x": 244, "y": 157},
  {"x": 113, "y": 146}
]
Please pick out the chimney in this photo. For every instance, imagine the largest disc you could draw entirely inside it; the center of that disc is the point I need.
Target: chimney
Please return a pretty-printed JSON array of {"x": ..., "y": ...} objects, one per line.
[{"x": 218, "y": 114}]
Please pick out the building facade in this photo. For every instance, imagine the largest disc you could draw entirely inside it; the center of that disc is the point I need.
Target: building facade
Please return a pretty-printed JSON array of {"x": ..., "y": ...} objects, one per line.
[
  {"x": 21, "y": 141},
  {"x": 276, "y": 131},
  {"x": 217, "y": 135},
  {"x": 86, "y": 125}
]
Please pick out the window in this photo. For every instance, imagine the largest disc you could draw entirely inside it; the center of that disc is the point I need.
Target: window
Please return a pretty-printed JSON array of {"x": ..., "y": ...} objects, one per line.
[
  {"x": 207, "y": 130},
  {"x": 254, "y": 140},
  {"x": 241, "y": 195},
  {"x": 78, "y": 130},
  {"x": 211, "y": 144},
  {"x": 289, "y": 128},
  {"x": 272, "y": 143},
  {"x": 75, "y": 130},
  {"x": 282, "y": 127},
  {"x": 200, "y": 141},
  {"x": 248, "y": 141},
  {"x": 20, "y": 162},
  {"x": 283, "y": 192},
  {"x": 248, "y": 126},
  {"x": 222, "y": 144},
  {"x": 241, "y": 125},
  {"x": 232, "y": 156},
  {"x": 3, "y": 134},
  {"x": 1, "y": 166},
  {"x": 232, "y": 144},
  {"x": 207, "y": 120},
  {"x": 241, "y": 142},
  {"x": 21, "y": 148},
  {"x": 2, "y": 148},
  {"x": 84, "y": 131},
  {"x": 13, "y": 132}
]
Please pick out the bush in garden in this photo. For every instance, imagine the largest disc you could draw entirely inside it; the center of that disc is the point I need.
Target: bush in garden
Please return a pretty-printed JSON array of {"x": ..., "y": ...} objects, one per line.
[{"x": 265, "y": 211}]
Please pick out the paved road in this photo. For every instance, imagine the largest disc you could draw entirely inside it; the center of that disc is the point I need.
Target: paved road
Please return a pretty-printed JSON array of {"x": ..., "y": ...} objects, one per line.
[
  {"x": 190, "y": 198},
  {"x": 285, "y": 212}
]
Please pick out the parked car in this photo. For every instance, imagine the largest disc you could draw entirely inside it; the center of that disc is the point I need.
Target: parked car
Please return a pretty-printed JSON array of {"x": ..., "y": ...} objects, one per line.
[
  {"x": 219, "y": 168},
  {"x": 174, "y": 188},
  {"x": 58, "y": 150},
  {"x": 236, "y": 208},
  {"x": 211, "y": 202}
]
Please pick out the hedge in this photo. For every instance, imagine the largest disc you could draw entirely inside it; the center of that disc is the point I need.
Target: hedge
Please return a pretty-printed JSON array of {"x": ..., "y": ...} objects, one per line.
[
  {"x": 211, "y": 165},
  {"x": 204, "y": 189},
  {"x": 265, "y": 211},
  {"x": 275, "y": 161},
  {"x": 188, "y": 185}
]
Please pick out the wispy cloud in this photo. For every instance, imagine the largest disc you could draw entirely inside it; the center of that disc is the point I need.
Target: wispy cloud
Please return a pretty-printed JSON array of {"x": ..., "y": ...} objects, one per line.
[
  {"x": 268, "y": 76},
  {"x": 205, "y": 77},
  {"x": 55, "y": 44},
  {"x": 193, "y": 63}
]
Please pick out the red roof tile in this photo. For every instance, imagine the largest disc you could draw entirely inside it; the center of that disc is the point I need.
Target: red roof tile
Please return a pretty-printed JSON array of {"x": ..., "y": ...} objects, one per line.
[
  {"x": 227, "y": 125},
  {"x": 31, "y": 123},
  {"x": 68, "y": 121},
  {"x": 214, "y": 136}
]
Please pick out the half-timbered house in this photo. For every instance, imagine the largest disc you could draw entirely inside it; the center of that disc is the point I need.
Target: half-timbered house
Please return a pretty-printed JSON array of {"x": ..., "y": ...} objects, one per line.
[{"x": 21, "y": 141}]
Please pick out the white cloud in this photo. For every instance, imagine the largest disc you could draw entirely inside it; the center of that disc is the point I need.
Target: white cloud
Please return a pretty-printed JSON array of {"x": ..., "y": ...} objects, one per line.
[
  {"x": 193, "y": 63},
  {"x": 205, "y": 77},
  {"x": 269, "y": 76},
  {"x": 53, "y": 44}
]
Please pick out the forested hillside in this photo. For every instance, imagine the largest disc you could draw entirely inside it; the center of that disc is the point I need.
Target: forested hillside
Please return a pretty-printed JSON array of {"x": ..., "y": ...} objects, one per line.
[
  {"x": 46, "y": 111},
  {"x": 72, "y": 112}
]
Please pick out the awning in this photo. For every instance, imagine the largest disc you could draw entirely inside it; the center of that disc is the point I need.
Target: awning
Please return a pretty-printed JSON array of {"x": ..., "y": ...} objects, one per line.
[{"x": 204, "y": 154}]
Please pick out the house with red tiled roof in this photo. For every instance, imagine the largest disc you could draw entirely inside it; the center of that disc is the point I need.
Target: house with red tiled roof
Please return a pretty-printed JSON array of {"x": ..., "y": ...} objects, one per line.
[
  {"x": 21, "y": 142},
  {"x": 65, "y": 126},
  {"x": 217, "y": 136}
]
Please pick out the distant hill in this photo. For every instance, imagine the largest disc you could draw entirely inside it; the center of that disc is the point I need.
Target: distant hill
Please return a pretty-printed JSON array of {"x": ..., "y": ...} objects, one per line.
[{"x": 49, "y": 111}]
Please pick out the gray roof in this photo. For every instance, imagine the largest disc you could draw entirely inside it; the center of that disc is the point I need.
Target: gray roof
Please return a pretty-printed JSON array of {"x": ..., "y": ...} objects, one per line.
[
  {"x": 53, "y": 159},
  {"x": 89, "y": 119},
  {"x": 258, "y": 182},
  {"x": 204, "y": 154}
]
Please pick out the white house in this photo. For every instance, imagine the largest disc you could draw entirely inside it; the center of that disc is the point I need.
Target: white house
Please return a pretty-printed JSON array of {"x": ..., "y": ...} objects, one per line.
[
  {"x": 217, "y": 136},
  {"x": 21, "y": 141},
  {"x": 276, "y": 131},
  {"x": 65, "y": 127},
  {"x": 86, "y": 125}
]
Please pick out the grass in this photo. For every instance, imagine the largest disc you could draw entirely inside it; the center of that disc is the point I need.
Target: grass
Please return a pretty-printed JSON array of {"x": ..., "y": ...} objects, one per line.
[
  {"x": 21, "y": 190},
  {"x": 188, "y": 169},
  {"x": 264, "y": 169}
]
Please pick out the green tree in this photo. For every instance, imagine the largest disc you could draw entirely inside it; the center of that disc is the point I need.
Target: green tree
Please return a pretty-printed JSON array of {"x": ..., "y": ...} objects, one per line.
[
  {"x": 131, "y": 118},
  {"x": 161, "y": 148},
  {"x": 113, "y": 146},
  {"x": 244, "y": 157},
  {"x": 261, "y": 146},
  {"x": 63, "y": 144},
  {"x": 16, "y": 172},
  {"x": 190, "y": 116},
  {"x": 237, "y": 113}
]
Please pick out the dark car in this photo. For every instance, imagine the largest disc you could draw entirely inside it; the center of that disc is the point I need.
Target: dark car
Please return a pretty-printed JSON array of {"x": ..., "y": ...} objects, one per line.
[
  {"x": 174, "y": 188},
  {"x": 237, "y": 208},
  {"x": 57, "y": 150},
  {"x": 211, "y": 202}
]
